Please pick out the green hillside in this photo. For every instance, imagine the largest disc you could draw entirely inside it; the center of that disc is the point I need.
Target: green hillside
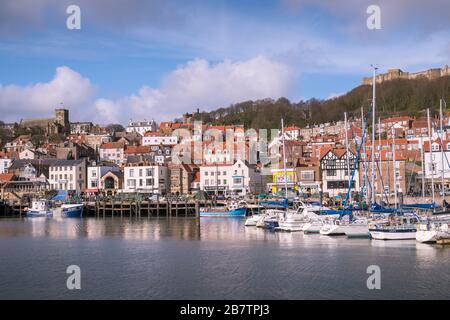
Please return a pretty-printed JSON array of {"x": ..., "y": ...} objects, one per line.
[{"x": 397, "y": 97}]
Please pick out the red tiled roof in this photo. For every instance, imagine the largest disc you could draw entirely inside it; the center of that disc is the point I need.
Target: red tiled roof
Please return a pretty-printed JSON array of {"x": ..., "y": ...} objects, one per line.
[
  {"x": 112, "y": 145},
  {"x": 137, "y": 149},
  {"x": 6, "y": 177}
]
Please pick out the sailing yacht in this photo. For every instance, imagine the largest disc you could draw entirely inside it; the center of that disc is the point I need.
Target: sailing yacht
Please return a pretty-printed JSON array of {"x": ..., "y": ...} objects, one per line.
[{"x": 402, "y": 227}]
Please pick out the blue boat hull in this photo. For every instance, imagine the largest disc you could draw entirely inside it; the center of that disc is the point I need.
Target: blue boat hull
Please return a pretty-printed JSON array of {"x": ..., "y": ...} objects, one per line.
[
  {"x": 39, "y": 214},
  {"x": 73, "y": 212},
  {"x": 241, "y": 212}
]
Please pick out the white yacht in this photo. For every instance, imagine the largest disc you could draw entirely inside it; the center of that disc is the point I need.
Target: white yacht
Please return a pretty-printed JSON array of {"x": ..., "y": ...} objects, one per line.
[
  {"x": 430, "y": 232},
  {"x": 358, "y": 228},
  {"x": 313, "y": 226},
  {"x": 292, "y": 221},
  {"x": 397, "y": 228},
  {"x": 333, "y": 228},
  {"x": 269, "y": 215}
]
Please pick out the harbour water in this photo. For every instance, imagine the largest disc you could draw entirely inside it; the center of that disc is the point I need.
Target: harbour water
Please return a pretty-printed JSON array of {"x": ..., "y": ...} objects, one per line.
[{"x": 178, "y": 258}]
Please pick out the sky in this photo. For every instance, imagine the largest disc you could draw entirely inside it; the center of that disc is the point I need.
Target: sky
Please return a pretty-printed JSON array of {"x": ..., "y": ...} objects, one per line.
[{"x": 157, "y": 59}]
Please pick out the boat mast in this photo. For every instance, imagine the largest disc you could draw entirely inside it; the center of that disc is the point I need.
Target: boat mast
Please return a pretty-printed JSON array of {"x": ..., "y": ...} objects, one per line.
[
  {"x": 364, "y": 152},
  {"x": 284, "y": 159},
  {"x": 423, "y": 168},
  {"x": 346, "y": 149},
  {"x": 379, "y": 156},
  {"x": 395, "y": 169},
  {"x": 373, "y": 131},
  {"x": 431, "y": 156},
  {"x": 442, "y": 151}
]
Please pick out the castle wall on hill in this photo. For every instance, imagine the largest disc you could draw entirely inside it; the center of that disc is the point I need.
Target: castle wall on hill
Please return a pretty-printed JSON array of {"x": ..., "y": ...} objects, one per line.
[{"x": 394, "y": 74}]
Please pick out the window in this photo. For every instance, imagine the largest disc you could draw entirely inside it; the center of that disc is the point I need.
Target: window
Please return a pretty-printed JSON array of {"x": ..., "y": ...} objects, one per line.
[
  {"x": 131, "y": 172},
  {"x": 206, "y": 173},
  {"x": 149, "y": 182},
  {"x": 307, "y": 175},
  {"x": 131, "y": 182},
  {"x": 94, "y": 174},
  {"x": 149, "y": 172},
  {"x": 237, "y": 180},
  {"x": 224, "y": 181},
  {"x": 140, "y": 172}
]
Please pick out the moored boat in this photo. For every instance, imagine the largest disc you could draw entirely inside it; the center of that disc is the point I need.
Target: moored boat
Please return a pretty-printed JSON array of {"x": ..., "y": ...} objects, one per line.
[
  {"x": 430, "y": 232},
  {"x": 222, "y": 212},
  {"x": 401, "y": 227},
  {"x": 39, "y": 208},
  {"x": 72, "y": 210},
  {"x": 333, "y": 228}
]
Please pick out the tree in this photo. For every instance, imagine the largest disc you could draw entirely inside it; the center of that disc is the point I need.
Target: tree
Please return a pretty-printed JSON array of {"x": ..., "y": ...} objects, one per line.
[{"x": 114, "y": 127}]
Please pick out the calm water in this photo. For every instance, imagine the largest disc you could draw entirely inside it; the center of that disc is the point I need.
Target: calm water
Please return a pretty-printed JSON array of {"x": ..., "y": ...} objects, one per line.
[{"x": 218, "y": 259}]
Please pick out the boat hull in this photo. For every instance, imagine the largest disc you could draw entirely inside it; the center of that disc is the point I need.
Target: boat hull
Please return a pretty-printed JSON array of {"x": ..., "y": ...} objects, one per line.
[
  {"x": 357, "y": 231},
  {"x": 241, "y": 212},
  {"x": 39, "y": 214},
  {"x": 393, "y": 234},
  {"x": 332, "y": 230},
  {"x": 431, "y": 236},
  {"x": 251, "y": 221},
  {"x": 72, "y": 211},
  {"x": 309, "y": 228}
]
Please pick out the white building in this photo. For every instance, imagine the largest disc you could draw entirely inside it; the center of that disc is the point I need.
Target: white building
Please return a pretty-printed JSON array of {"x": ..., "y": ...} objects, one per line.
[
  {"x": 112, "y": 152},
  {"x": 146, "y": 178},
  {"x": 68, "y": 175},
  {"x": 142, "y": 127},
  {"x": 4, "y": 164},
  {"x": 238, "y": 178},
  {"x": 156, "y": 140},
  {"x": 436, "y": 162},
  {"x": 94, "y": 175}
]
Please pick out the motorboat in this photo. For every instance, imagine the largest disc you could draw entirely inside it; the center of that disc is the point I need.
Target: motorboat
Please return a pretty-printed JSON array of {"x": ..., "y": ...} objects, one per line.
[{"x": 430, "y": 232}]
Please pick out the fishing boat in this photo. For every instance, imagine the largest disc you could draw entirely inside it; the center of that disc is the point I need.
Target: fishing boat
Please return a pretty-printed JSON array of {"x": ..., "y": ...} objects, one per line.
[
  {"x": 39, "y": 208},
  {"x": 72, "y": 210},
  {"x": 401, "y": 227},
  {"x": 234, "y": 210},
  {"x": 430, "y": 232}
]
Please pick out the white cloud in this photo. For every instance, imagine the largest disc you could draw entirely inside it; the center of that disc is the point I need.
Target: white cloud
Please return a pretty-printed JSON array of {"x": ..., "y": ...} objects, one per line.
[
  {"x": 203, "y": 85},
  {"x": 197, "y": 84},
  {"x": 40, "y": 99}
]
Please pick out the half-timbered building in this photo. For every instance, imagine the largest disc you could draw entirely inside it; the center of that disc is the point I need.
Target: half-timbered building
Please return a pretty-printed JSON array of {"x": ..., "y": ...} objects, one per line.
[{"x": 335, "y": 173}]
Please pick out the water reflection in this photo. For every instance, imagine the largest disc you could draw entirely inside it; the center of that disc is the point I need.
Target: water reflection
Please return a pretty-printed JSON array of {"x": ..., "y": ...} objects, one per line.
[{"x": 214, "y": 258}]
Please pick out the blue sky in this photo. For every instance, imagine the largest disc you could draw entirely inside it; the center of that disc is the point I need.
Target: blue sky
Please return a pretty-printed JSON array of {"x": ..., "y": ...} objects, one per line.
[{"x": 160, "y": 58}]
